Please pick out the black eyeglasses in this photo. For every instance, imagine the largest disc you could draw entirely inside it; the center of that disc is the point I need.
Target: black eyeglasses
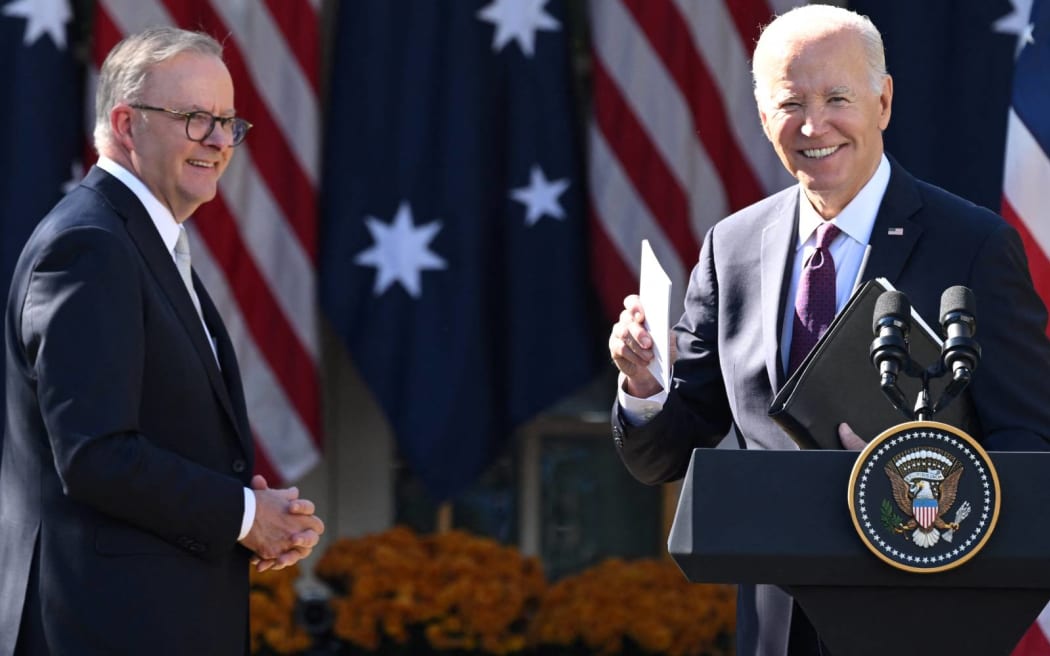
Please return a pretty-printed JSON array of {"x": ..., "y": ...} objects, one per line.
[{"x": 200, "y": 124}]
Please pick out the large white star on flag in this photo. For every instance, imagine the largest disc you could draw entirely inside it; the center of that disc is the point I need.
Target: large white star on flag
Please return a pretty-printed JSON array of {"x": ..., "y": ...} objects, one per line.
[
  {"x": 401, "y": 251},
  {"x": 42, "y": 17},
  {"x": 541, "y": 196},
  {"x": 519, "y": 20},
  {"x": 1017, "y": 23}
]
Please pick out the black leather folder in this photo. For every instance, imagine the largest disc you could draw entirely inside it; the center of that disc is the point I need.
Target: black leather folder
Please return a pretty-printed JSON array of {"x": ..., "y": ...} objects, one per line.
[{"x": 837, "y": 382}]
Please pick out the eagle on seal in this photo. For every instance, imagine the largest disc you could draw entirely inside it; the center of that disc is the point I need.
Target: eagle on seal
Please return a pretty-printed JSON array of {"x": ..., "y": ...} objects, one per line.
[{"x": 925, "y": 503}]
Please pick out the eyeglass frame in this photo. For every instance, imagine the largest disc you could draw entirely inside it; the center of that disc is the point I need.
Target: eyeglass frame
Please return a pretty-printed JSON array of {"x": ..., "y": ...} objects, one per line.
[{"x": 188, "y": 116}]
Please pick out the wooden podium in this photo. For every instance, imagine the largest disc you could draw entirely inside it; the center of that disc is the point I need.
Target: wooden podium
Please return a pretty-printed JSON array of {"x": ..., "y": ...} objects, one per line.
[{"x": 782, "y": 517}]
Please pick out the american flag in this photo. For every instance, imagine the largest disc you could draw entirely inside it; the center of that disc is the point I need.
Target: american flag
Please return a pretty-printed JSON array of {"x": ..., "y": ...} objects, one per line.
[
  {"x": 1026, "y": 177},
  {"x": 675, "y": 142},
  {"x": 255, "y": 245}
]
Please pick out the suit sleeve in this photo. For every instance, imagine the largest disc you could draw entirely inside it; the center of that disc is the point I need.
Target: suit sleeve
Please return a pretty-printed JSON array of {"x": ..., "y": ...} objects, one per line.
[
  {"x": 697, "y": 411},
  {"x": 82, "y": 330},
  {"x": 1011, "y": 385}
]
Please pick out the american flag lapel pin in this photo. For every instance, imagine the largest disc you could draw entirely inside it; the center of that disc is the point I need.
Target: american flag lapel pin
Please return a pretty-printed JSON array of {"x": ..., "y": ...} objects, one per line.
[{"x": 896, "y": 232}]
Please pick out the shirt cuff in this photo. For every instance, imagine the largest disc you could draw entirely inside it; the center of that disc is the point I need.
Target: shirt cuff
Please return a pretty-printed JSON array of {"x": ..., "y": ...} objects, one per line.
[
  {"x": 249, "y": 514},
  {"x": 635, "y": 410}
]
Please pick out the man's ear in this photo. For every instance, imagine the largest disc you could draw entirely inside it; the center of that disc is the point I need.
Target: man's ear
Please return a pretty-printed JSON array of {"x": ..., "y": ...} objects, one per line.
[
  {"x": 764, "y": 120},
  {"x": 763, "y": 117},
  {"x": 121, "y": 125},
  {"x": 885, "y": 102}
]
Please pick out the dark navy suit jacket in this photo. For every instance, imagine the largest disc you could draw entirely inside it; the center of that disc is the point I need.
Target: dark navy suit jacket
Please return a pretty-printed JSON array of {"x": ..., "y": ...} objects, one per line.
[
  {"x": 729, "y": 366},
  {"x": 126, "y": 447}
]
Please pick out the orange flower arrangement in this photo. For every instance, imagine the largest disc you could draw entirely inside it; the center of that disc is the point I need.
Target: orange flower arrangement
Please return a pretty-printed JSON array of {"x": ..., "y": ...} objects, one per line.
[
  {"x": 453, "y": 593},
  {"x": 645, "y": 606},
  {"x": 271, "y": 613},
  {"x": 445, "y": 592}
]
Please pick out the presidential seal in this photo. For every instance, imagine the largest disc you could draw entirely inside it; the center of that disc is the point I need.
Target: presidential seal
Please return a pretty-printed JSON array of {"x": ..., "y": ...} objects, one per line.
[{"x": 924, "y": 496}]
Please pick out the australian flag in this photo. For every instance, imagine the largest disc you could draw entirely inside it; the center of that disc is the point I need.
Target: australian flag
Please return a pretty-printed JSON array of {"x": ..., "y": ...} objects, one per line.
[
  {"x": 40, "y": 120},
  {"x": 453, "y": 260}
]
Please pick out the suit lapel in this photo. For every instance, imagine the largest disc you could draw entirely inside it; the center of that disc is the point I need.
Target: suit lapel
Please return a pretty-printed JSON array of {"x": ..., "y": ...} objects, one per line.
[
  {"x": 778, "y": 241},
  {"x": 159, "y": 261},
  {"x": 894, "y": 234},
  {"x": 228, "y": 360}
]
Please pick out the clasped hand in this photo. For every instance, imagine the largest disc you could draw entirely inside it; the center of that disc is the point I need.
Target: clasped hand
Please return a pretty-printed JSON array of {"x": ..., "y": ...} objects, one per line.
[{"x": 285, "y": 529}]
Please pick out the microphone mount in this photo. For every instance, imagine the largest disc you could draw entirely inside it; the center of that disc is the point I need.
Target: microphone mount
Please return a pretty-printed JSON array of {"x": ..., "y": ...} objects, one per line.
[{"x": 889, "y": 352}]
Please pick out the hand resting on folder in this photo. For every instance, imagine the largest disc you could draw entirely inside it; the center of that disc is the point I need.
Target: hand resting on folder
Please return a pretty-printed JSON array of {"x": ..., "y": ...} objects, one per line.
[{"x": 850, "y": 440}]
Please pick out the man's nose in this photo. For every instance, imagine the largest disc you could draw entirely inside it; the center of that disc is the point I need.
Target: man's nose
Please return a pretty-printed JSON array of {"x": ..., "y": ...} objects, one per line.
[
  {"x": 221, "y": 136},
  {"x": 813, "y": 123}
]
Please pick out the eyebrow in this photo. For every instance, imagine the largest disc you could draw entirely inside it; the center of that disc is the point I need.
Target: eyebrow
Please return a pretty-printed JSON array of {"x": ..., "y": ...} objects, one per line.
[{"x": 198, "y": 108}]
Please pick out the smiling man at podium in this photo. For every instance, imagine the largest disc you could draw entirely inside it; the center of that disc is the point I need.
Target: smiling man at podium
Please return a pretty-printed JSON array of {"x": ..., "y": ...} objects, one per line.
[{"x": 771, "y": 277}]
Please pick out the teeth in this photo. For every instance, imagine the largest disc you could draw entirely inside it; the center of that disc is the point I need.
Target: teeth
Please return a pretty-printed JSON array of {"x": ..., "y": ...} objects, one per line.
[
  {"x": 201, "y": 163},
  {"x": 819, "y": 153}
]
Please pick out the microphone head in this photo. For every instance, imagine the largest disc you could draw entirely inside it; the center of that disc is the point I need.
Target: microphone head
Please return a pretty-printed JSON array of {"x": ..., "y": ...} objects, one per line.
[
  {"x": 891, "y": 305},
  {"x": 958, "y": 299}
]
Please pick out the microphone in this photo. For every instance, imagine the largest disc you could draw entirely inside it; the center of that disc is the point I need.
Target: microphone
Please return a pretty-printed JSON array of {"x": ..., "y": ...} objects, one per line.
[
  {"x": 890, "y": 324},
  {"x": 960, "y": 352}
]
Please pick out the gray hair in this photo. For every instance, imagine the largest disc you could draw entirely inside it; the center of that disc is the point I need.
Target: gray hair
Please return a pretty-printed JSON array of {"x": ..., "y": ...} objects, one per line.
[
  {"x": 127, "y": 67},
  {"x": 822, "y": 19}
]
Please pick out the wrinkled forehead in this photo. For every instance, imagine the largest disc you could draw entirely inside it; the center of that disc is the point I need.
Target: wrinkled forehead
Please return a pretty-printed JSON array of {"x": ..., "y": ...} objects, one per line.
[{"x": 819, "y": 62}]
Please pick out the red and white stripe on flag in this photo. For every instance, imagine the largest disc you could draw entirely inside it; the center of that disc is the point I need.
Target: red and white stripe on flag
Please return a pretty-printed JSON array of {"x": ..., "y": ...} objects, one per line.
[
  {"x": 255, "y": 245},
  {"x": 1035, "y": 641},
  {"x": 675, "y": 142},
  {"x": 1026, "y": 177}
]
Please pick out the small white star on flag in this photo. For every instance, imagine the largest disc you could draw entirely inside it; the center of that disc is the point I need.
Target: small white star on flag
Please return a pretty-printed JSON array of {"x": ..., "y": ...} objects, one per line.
[
  {"x": 1017, "y": 23},
  {"x": 541, "y": 197}
]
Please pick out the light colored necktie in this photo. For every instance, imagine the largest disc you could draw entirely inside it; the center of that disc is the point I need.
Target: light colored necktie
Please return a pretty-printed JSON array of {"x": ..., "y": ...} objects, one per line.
[{"x": 182, "y": 261}]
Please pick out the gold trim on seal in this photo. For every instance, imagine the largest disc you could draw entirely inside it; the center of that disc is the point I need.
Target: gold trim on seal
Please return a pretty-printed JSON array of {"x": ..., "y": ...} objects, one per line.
[{"x": 892, "y": 432}]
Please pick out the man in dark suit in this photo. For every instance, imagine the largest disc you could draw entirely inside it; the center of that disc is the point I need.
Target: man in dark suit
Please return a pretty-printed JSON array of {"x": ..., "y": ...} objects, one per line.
[
  {"x": 824, "y": 99},
  {"x": 128, "y": 516}
]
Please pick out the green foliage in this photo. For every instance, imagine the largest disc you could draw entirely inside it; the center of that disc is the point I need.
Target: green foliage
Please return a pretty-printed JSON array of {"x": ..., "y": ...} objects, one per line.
[{"x": 890, "y": 519}]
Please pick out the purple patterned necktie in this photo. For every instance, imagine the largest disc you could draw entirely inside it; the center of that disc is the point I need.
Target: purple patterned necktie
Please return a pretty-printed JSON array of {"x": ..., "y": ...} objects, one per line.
[{"x": 815, "y": 301}]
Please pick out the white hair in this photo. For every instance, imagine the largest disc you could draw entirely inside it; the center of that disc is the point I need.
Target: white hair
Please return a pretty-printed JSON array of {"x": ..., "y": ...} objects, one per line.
[
  {"x": 814, "y": 20},
  {"x": 127, "y": 68}
]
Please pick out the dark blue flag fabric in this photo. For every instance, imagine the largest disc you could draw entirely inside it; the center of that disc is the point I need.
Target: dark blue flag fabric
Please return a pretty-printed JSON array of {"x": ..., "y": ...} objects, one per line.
[
  {"x": 453, "y": 261},
  {"x": 951, "y": 62},
  {"x": 40, "y": 120}
]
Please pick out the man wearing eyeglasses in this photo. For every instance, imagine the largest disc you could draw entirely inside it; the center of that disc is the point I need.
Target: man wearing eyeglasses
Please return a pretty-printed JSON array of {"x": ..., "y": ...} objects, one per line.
[{"x": 128, "y": 514}]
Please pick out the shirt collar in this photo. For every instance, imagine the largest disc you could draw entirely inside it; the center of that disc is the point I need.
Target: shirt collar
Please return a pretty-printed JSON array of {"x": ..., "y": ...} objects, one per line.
[
  {"x": 857, "y": 219},
  {"x": 162, "y": 217}
]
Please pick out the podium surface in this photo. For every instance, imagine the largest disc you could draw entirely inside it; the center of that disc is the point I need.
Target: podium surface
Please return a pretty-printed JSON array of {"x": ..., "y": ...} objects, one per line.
[{"x": 782, "y": 517}]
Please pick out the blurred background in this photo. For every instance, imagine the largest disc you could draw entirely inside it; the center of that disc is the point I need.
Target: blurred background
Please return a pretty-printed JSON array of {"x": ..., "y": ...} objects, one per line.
[{"x": 421, "y": 246}]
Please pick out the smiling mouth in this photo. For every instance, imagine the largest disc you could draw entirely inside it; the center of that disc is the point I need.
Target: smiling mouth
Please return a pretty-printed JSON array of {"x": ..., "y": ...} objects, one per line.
[
  {"x": 201, "y": 164},
  {"x": 819, "y": 153}
]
